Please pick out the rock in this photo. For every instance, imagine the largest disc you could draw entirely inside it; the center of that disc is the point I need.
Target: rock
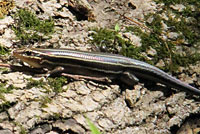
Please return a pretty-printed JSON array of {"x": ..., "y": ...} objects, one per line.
[
  {"x": 52, "y": 132},
  {"x": 8, "y": 20},
  {"x": 64, "y": 14},
  {"x": 89, "y": 103},
  {"x": 190, "y": 126},
  {"x": 131, "y": 4},
  {"x": 4, "y": 131},
  {"x": 151, "y": 51},
  {"x": 136, "y": 41},
  {"x": 160, "y": 64},
  {"x": 81, "y": 120},
  {"x": 132, "y": 96},
  {"x": 8, "y": 36},
  {"x": 83, "y": 90},
  {"x": 23, "y": 3},
  {"x": 69, "y": 93},
  {"x": 73, "y": 105},
  {"x": 25, "y": 114},
  {"x": 132, "y": 130},
  {"x": 69, "y": 124},
  {"x": 64, "y": 2},
  {"x": 164, "y": 26},
  {"x": 3, "y": 116},
  {"x": 117, "y": 112},
  {"x": 142, "y": 8},
  {"x": 111, "y": 107},
  {"x": 178, "y": 7},
  {"x": 106, "y": 124},
  {"x": 187, "y": 79},
  {"x": 13, "y": 96},
  {"x": 37, "y": 131},
  {"x": 50, "y": 7},
  {"x": 173, "y": 35},
  {"x": 16, "y": 79},
  {"x": 174, "y": 104},
  {"x": 5, "y": 42},
  {"x": 83, "y": 9},
  {"x": 98, "y": 96},
  {"x": 41, "y": 129},
  {"x": 195, "y": 67}
]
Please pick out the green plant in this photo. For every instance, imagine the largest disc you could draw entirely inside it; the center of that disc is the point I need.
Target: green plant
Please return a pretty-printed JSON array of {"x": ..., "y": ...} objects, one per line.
[
  {"x": 170, "y": 2},
  {"x": 52, "y": 84},
  {"x": 93, "y": 128},
  {"x": 57, "y": 83},
  {"x": 3, "y": 50},
  {"x": 22, "y": 129},
  {"x": 4, "y": 90},
  {"x": 188, "y": 38},
  {"x": 35, "y": 83},
  {"x": 5, "y": 106},
  {"x": 28, "y": 28},
  {"x": 108, "y": 40},
  {"x": 45, "y": 100}
]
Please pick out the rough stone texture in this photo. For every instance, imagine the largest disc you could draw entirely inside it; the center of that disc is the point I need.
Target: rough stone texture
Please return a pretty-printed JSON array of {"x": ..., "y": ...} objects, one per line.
[
  {"x": 5, "y": 132},
  {"x": 112, "y": 109},
  {"x": 191, "y": 126},
  {"x": 7, "y": 35}
]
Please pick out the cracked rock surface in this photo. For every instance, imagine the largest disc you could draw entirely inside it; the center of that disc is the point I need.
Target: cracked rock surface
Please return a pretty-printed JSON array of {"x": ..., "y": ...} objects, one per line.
[{"x": 111, "y": 108}]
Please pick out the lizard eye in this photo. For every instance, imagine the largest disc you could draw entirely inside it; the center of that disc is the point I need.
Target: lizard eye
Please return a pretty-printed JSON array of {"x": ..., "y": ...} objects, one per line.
[{"x": 28, "y": 53}]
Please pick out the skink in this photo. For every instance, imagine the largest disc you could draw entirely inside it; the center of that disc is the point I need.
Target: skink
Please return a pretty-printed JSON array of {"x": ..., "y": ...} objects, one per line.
[{"x": 99, "y": 65}]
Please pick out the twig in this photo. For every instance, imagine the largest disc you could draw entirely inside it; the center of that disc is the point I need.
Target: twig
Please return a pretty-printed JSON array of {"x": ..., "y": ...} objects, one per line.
[{"x": 138, "y": 23}]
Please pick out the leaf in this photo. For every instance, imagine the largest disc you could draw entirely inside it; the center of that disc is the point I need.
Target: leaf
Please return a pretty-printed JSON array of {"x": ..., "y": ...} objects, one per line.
[
  {"x": 93, "y": 128},
  {"x": 117, "y": 27}
]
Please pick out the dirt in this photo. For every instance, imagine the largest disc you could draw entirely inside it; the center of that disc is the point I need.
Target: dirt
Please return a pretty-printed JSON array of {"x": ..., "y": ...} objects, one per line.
[{"x": 113, "y": 109}]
